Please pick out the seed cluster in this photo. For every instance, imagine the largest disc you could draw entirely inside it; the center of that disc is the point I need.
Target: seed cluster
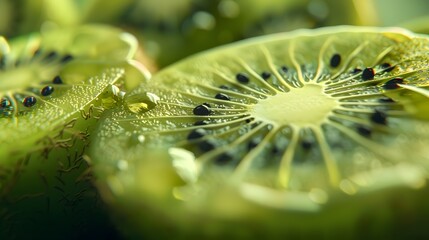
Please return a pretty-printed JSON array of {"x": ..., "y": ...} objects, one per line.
[
  {"x": 251, "y": 138},
  {"x": 30, "y": 95},
  {"x": 220, "y": 126}
]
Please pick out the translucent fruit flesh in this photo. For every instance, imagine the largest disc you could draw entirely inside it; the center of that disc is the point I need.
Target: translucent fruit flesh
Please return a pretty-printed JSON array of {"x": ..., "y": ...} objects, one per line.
[
  {"x": 276, "y": 132},
  {"x": 53, "y": 86}
]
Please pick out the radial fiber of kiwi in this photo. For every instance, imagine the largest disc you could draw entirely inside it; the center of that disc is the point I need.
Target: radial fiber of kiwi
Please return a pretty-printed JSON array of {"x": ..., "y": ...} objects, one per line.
[
  {"x": 315, "y": 133},
  {"x": 53, "y": 86}
]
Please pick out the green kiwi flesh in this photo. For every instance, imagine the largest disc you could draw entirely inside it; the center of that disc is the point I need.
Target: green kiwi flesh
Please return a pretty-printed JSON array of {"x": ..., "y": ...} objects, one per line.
[
  {"x": 313, "y": 133},
  {"x": 53, "y": 85}
]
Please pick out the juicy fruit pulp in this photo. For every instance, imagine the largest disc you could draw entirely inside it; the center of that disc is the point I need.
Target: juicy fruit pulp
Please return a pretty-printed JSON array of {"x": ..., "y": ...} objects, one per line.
[
  {"x": 52, "y": 87},
  {"x": 301, "y": 133}
]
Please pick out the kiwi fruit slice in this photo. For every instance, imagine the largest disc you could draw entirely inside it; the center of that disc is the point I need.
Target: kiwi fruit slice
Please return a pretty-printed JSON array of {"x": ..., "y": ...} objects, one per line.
[
  {"x": 53, "y": 86},
  {"x": 310, "y": 133}
]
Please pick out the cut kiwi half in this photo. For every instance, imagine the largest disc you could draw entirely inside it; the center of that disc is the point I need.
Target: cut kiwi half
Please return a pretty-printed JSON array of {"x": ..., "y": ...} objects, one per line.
[
  {"x": 302, "y": 134},
  {"x": 53, "y": 85}
]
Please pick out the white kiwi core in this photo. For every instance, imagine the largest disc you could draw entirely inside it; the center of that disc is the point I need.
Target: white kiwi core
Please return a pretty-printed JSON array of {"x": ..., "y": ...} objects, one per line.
[{"x": 304, "y": 106}]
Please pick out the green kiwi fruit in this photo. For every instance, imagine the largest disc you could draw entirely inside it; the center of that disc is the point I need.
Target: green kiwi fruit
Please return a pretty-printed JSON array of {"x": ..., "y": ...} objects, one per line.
[
  {"x": 53, "y": 85},
  {"x": 313, "y": 133},
  {"x": 26, "y": 16},
  {"x": 6, "y": 16},
  {"x": 172, "y": 31}
]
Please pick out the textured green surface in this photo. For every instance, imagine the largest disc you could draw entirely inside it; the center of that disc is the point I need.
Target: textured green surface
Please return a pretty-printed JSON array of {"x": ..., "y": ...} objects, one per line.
[
  {"x": 45, "y": 180},
  {"x": 342, "y": 174}
]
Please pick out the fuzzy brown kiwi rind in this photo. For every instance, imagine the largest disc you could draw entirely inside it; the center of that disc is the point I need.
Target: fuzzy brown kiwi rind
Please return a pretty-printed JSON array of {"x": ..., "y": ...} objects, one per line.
[
  {"x": 357, "y": 169},
  {"x": 46, "y": 188}
]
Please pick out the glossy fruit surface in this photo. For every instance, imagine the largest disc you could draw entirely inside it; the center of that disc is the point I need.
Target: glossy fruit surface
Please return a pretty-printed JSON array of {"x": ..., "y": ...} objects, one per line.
[{"x": 309, "y": 133}]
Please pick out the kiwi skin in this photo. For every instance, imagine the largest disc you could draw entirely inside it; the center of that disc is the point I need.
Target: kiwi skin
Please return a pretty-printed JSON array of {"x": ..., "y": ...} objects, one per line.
[
  {"x": 46, "y": 185},
  {"x": 136, "y": 170}
]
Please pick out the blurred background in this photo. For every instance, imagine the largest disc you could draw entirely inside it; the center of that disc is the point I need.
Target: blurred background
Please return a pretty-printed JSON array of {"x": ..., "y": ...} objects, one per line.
[{"x": 169, "y": 30}]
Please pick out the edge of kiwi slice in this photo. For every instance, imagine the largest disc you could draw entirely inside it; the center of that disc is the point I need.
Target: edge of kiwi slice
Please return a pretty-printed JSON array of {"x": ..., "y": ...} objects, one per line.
[
  {"x": 53, "y": 87},
  {"x": 302, "y": 134}
]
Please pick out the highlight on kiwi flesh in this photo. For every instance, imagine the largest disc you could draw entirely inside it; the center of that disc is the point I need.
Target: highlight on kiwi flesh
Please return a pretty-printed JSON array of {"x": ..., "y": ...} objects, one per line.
[
  {"x": 53, "y": 85},
  {"x": 172, "y": 30},
  {"x": 310, "y": 133}
]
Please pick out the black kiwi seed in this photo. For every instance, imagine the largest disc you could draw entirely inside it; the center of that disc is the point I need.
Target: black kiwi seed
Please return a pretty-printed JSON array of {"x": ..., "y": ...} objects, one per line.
[
  {"x": 284, "y": 69},
  {"x": 224, "y": 158},
  {"x": 253, "y": 143},
  {"x": 57, "y": 80},
  {"x": 202, "y": 110},
  {"x": 265, "y": 75},
  {"x": 224, "y": 87},
  {"x": 276, "y": 149},
  {"x": 207, "y": 145},
  {"x": 368, "y": 74},
  {"x": 307, "y": 144},
  {"x": 335, "y": 60},
  {"x": 46, "y": 91},
  {"x": 37, "y": 52},
  {"x": 197, "y": 133},
  {"x": 385, "y": 100},
  {"x": 379, "y": 117},
  {"x": 66, "y": 58},
  {"x": 222, "y": 96},
  {"x": 393, "y": 84},
  {"x": 387, "y": 67},
  {"x": 356, "y": 70},
  {"x": 51, "y": 56},
  {"x": 4, "y": 102},
  {"x": 29, "y": 101},
  {"x": 242, "y": 78},
  {"x": 201, "y": 123},
  {"x": 364, "y": 131}
]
